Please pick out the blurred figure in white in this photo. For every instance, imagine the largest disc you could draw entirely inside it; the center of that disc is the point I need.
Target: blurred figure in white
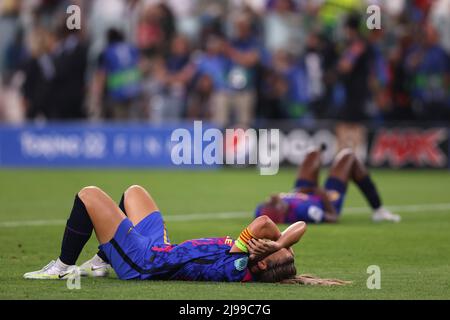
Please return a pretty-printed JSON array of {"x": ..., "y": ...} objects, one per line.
[
  {"x": 283, "y": 27},
  {"x": 440, "y": 18}
]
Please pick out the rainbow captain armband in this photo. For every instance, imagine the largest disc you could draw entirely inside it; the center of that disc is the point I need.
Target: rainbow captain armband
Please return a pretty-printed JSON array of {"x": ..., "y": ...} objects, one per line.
[{"x": 243, "y": 240}]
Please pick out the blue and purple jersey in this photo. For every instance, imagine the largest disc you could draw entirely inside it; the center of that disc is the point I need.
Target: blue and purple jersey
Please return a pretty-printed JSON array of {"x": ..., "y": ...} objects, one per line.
[
  {"x": 301, "y": 207},
  {"x": 144, "y": 252},
  {"x": 309, "y": 207},
  {"x": 206, "y": 259}
]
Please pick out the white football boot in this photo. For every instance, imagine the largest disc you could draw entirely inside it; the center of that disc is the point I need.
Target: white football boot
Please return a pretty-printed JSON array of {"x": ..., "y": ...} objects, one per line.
[
  {"x": 55, "y": 270},
  {"x": 95, "y": 267},
  {"x": 383, "y": 214}
]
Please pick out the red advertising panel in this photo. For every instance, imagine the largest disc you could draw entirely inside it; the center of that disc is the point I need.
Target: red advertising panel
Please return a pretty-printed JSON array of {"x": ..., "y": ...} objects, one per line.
[{"x": 410, "y": 147}]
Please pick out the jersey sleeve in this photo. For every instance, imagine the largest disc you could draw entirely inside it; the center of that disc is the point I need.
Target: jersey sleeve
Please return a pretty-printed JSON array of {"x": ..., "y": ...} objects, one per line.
[{"x": 233, "y": 268}]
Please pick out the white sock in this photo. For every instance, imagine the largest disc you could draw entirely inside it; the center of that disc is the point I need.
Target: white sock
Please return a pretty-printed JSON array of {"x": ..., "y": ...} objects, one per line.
[
  {"x": 96, "y": 260},
  {"x": 61, "y": 265}
]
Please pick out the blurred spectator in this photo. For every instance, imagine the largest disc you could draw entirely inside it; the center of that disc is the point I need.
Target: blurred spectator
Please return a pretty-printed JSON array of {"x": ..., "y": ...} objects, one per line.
[
  {"x": 186, "y": 22},
  {"x": 211, "y": 21},
  {"x": 333, "y": 13},
  {"x": 320, "y": 60},
  {"x": 172, "y": 76},
  {"x": 55, "y": 76},
  {"x": 67, "y": 92},
  {"x": 103, "y": 16},
  {"x": 290, "y": 86},
  {"x": 401, "y": 100},
  {"x": 380, "y": 104},
  {"x": 226, "y": 61},
  {"x": 149, "y": 32},
  {"x": 11, "y": 54},
  {"x": 155, "y": 30},
  {"x": 132, "y": 12},
  {"x": 9, "y": 24},
  {"x": 38, "y": 71},
  {"x": 283, "y": 27},
  {"x": 428, "y": 68},
  {"x": 244, "y": 54},
  {"x": 117, "y": 79},
  {"x": 200, "y": 101},
  {"x": 353, "y": 67},
  {"x": 439, "y": 17},
  {"x": 215, "y": 65}
]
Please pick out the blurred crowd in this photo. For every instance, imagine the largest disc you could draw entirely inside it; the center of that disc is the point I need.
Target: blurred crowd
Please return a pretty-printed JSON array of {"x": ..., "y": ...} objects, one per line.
[{"x": 231, "y": 62}]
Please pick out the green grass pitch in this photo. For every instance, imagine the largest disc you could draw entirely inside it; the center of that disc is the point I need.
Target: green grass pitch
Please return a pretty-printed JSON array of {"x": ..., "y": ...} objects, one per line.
[{"x": 413, "y": 255}]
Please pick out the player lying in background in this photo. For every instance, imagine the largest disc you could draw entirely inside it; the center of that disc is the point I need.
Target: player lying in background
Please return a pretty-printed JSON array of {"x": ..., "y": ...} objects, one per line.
[
  {"x": 311, "y": 203},
  {"x": 133, "y": 240}
]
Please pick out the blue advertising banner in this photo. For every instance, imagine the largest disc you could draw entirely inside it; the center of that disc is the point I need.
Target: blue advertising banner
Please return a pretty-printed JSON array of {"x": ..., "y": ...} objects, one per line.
[{"x": 88, "y": 145}]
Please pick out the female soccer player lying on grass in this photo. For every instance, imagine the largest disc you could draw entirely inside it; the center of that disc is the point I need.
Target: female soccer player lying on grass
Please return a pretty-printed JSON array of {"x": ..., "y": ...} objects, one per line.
[
  {"x": 311, "y": 203},
  {"x": 133, "y": 239}
]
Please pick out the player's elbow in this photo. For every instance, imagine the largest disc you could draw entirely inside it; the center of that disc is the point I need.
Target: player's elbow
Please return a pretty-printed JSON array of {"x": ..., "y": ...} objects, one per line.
[
  {"x": 264, "y": 227},
  {"x": 263, "y": 222}
]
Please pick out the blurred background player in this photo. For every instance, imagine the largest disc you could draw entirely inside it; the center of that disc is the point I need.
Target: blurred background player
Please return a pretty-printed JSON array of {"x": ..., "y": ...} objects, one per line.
[{"x": 311, "y": 203}]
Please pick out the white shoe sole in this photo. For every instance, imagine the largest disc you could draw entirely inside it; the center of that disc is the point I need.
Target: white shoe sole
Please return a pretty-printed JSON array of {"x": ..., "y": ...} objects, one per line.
[{"x": 382, "y": 219}]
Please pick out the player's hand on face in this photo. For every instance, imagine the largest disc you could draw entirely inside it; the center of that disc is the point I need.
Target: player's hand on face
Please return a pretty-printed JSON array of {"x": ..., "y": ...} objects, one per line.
[{"x": 261, "y": 248}]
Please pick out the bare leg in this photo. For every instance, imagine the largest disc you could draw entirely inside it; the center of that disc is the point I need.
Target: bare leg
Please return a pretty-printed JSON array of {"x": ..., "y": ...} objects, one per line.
[
  {"x": 138, "y": 203},
  {"x": 343, "y": 165},
  {"x": 92, "y": 209},
  {"x": 103, "y": 212},
  {"x": 310, "y": 169},
  {"x": 348, "y": 167}
]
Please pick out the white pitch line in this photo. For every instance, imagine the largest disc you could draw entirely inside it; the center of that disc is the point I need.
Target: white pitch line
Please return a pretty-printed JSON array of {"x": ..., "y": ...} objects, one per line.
[
  {"x": 31, "y": 223},
  {"x": 231, "y": 215},
  {"x": 402, "y": 208}
]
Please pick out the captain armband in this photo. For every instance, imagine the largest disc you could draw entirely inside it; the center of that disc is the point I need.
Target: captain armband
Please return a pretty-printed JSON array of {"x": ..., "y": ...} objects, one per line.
[{"x": 243, "y": 240}]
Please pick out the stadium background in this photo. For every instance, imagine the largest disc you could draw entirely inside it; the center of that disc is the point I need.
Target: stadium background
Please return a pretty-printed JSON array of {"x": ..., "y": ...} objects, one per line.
[{"x": 73, "y": 115}]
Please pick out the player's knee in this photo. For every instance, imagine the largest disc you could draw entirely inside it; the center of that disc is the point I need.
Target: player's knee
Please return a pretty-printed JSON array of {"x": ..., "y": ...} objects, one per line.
[
  {"x": 346, "y": 154},
  {"x": 313, "y": 152},
  {"x": 89, "y": 194},
  {"x": 134, "y": 189}
]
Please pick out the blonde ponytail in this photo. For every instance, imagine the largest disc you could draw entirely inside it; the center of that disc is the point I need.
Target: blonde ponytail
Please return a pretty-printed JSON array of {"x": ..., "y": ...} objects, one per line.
[{"x": 307, "y": 279}]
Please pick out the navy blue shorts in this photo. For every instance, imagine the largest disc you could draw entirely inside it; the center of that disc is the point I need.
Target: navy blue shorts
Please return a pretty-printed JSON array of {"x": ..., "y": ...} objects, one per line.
[
  {"x": 126, "y": 252},
  {"x": 335, "y": 187}
]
